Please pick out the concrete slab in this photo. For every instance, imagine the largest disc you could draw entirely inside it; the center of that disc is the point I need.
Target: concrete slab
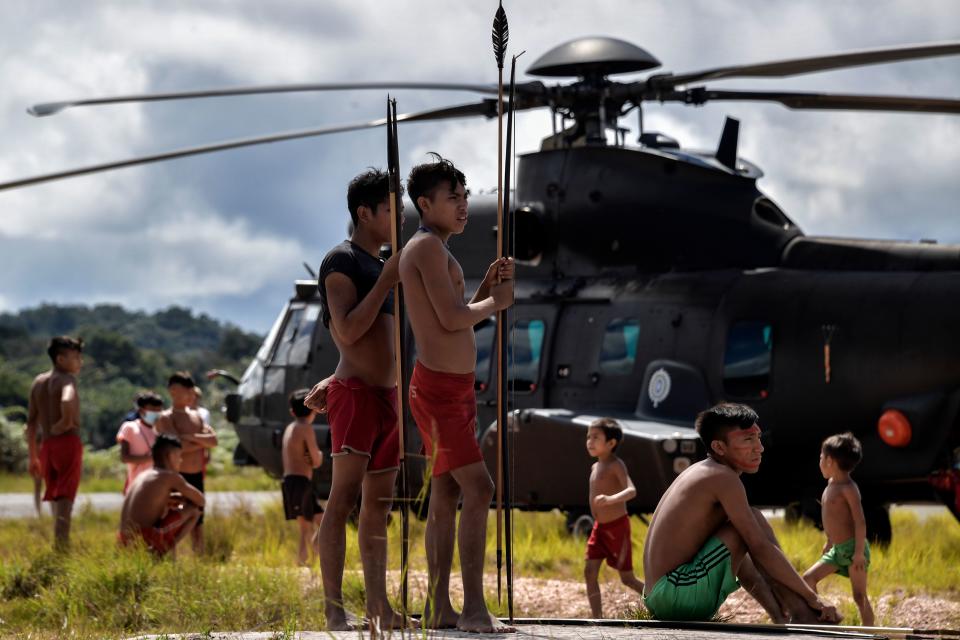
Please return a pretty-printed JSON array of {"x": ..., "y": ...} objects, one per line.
[{"x": 546, "y": 632}]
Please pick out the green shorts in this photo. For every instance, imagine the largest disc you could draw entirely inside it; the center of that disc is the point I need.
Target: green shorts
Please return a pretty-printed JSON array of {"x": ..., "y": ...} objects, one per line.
[
  {"x": 695, "y": 591},
  {"x": 841, "y": 556}
]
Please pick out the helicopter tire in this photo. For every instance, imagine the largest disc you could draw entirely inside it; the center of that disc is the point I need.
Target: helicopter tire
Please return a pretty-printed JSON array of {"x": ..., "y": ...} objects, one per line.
[{"x": 579, "y": 523}]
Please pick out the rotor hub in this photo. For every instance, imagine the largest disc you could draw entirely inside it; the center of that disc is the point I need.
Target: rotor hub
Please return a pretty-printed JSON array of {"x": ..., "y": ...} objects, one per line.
[{"x": 593, "y": 56}]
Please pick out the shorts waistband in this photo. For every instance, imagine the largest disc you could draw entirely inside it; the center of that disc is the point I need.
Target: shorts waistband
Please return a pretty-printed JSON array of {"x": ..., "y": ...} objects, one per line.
[
  {"x": 356, "y": 384},
  {"x": 456, "y": 377},
  {"x": 613, "y": 523}
]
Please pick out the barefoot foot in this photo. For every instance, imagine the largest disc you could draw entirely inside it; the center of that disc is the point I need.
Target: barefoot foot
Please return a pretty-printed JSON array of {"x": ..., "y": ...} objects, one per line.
[
  {"x": 482, "y": 622},
  {"x": 444, "y": 618}
]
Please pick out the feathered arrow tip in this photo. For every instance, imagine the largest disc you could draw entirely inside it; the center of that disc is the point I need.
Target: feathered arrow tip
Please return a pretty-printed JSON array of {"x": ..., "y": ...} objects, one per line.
[{"x": 501, "y": 33}]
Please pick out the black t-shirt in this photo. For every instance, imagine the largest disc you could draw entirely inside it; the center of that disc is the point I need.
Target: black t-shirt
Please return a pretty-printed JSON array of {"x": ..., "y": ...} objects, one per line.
[{"x": 362, "y": 268}]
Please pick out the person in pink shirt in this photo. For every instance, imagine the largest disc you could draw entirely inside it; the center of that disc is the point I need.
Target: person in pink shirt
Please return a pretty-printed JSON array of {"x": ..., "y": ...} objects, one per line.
[{"x": 136, "y": 437}]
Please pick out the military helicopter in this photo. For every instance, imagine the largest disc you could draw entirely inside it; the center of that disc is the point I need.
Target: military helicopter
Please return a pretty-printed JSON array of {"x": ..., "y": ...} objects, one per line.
[{"x": 654, "y": 281}]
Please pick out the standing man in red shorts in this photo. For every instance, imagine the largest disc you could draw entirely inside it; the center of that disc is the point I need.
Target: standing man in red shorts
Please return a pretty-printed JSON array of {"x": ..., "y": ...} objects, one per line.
[
  {"x": 442, "y": 398},
  {"x": 54, "y": 409},
  {"x": 361, "y": 400}
]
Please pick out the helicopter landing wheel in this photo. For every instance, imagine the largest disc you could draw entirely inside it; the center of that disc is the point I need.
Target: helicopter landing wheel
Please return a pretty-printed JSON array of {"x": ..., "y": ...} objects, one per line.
[
  {"x": 579, "y": 524},
  {"x": 879, "y": 531}
]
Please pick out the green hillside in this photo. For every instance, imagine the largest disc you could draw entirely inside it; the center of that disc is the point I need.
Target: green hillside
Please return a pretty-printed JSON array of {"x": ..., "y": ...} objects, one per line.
[{"x": 125, "y": 351}]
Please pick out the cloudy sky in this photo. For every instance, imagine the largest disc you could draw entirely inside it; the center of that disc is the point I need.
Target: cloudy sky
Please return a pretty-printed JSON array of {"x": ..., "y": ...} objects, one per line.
[{"x": 226, "y": 233}]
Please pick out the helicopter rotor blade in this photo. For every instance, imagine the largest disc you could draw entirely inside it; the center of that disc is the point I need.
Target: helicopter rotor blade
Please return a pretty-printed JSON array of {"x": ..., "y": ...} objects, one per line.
[
  {"x": 51, "y": 108},
  {"x": 486, "y": 108},
  {"x": 799, "y": 66},
  {"x": 837, "y": 101}
]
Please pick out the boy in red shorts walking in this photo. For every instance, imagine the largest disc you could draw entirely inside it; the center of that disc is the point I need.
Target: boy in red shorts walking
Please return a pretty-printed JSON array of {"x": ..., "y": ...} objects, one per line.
[
  {"x": 54, "y": 416},
  {"x": 442, "y": 399},
  {"x": 610, "y": 490}
]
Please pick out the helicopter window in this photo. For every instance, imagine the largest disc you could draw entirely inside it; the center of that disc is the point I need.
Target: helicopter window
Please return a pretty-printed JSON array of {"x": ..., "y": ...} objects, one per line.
[
  {"x": 746, "y": 363},
  {"x": 618, "y": 352},
  {"x": 484, "y": 332},
  {"x": 524, "y": 352},
  {"x": 264, "y": 351},
  {"x": 294, "y": 345}
]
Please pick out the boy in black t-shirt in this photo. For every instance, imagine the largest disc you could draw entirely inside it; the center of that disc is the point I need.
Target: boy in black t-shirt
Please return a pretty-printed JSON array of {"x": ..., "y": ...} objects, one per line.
[{"x": 360, "y": 399}]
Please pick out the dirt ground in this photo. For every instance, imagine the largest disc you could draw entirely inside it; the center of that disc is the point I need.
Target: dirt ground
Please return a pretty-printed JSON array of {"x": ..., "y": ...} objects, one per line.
[{"x": 535, "y": 597}]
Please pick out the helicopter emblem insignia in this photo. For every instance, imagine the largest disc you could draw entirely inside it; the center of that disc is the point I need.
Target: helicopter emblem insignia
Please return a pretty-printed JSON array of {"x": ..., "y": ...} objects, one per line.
[{"x": 659, "y": 387}]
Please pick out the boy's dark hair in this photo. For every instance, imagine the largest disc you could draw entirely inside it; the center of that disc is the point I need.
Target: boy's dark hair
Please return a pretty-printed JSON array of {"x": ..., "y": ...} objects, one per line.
[
  {"x": 715, "y": 422},
  {"x": 161, "y": 445},
  {"x": 370, "y": 188},
  {"x": 425, "y": 178},
  {"x": 296, "y": 403},
  {"x": 845, "y": 449},
  {"x": 59, "y": 344},
  {"x": 611, "y": 429},
  {"x": 182, "y": 378},
  {"x": 149, "y": 399}
]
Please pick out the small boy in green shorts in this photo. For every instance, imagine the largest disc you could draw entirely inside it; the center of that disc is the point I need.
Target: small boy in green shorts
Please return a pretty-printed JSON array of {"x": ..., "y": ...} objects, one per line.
[{"x": 846, "y": 551}]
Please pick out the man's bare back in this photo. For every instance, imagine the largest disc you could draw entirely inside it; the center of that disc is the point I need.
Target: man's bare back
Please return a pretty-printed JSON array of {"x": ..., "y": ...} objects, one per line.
[
  {"x": 184, "y": 422},
  {"x": 148, "y": 499},
  {"x": 54, "y": 398},
  {"x": 451, "y": 350},
  {"x": 678, "y": 536}
]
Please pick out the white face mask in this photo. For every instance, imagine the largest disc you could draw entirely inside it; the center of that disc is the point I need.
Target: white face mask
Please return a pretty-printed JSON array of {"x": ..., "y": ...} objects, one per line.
[{"x": 150, "y": 417}]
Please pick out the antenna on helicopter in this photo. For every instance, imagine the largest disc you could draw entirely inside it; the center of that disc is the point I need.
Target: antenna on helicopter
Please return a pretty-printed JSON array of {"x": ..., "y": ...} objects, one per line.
[
  {"x": 727, "y": 149},
  {"x": 309, "y": 270}
]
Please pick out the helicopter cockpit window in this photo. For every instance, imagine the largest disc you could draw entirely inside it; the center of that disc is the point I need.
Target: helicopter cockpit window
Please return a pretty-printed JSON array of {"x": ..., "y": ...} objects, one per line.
[
  {"x": 746, "y": 363},
  {"x": 524, "y": 352},
  {"x": 618, "y": 352},
  {"x": 293, "y": 347}
]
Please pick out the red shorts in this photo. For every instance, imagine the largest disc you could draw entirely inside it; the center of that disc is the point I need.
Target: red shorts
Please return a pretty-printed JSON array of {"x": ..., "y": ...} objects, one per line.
[
  {"x": 363, "y": 419},
  {"x": 444, "y": 406},
  {"x": 61, "y": 459},
  {"x": 161, "y": 537},
  {"x": 611, "y": 541}
]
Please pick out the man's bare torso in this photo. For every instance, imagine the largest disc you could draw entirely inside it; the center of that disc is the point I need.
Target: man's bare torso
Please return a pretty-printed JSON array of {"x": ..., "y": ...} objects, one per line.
[
  {"x": 437, "y": 348},
  {"x": 296, "y": 455},
  {"x": 605, "y": 480},
  {"x": 688, "y": 514},
  {"x": 46, "y": 395},
  {"x": 181, "y": 422},
  {"x": 370, "y": 358},
  {"x": 835, "y": 510},
  {"x": 147, "y": 498}
]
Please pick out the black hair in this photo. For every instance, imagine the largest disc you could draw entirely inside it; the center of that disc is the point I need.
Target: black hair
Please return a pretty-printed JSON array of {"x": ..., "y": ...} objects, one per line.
[
  {"x": 182, "y": 378},
  {"x": 370, "y": 188},
  {"x": 59, "y": 344},
  {"x": 611, "y": 429},
  {"x": 161, "y": 445},
  {"x": 425, "y": 178},
  {"x": 296, "y": 403},
  {"x": 845, "y": 449},
  {"x": 715, "y": 422},
  {"x": 149, "y": 399}
]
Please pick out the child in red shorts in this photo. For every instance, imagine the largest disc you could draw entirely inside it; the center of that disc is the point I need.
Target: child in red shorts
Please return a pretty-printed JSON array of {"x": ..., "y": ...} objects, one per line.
[{"x": 610, "y": 490}]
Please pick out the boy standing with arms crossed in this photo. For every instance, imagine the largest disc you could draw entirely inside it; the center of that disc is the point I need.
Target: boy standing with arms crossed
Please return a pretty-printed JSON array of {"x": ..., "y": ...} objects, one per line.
[
  {"x": 610, "y": 490},
  {"x": 300, "y": 457},
  {"x": 442, "y": 398},
  {"x": 355, "y": 288},
  {"x": 846, "y": 551},
  {"x": 196, "y": 438}
]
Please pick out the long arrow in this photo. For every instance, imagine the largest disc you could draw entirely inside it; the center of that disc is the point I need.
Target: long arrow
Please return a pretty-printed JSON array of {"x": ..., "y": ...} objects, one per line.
[
  {"x": 396, "y": 217},
  {"x": 501, "y": 33},
  {"x": 502, "y": 422}
]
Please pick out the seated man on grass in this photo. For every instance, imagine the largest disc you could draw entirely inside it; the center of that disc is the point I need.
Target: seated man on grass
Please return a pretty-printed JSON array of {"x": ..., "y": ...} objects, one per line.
[
  {"x": 160, "y": 507},
  {"x": 705, "y": 540}
]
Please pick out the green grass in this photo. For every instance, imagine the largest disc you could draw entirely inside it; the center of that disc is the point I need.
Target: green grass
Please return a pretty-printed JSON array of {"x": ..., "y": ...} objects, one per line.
[{"x": 247, "y": 580}]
